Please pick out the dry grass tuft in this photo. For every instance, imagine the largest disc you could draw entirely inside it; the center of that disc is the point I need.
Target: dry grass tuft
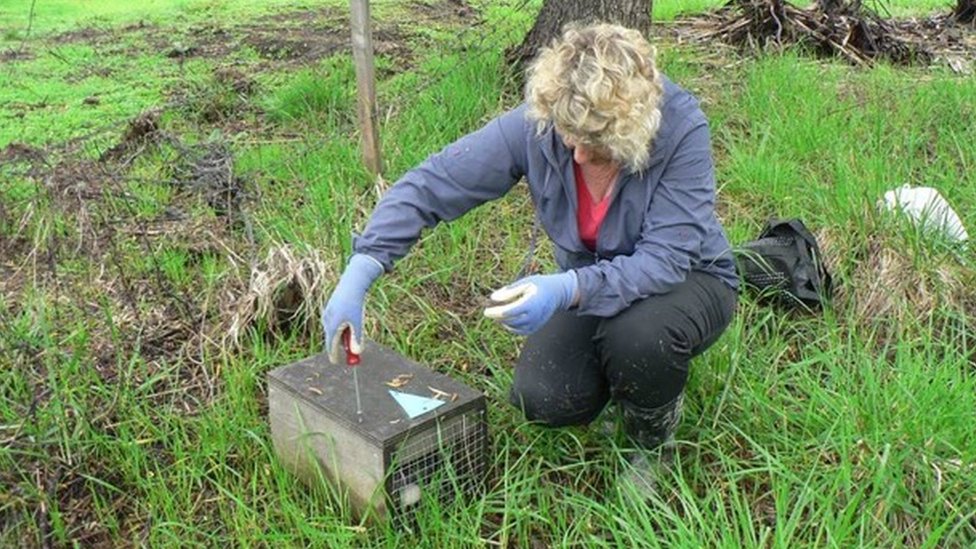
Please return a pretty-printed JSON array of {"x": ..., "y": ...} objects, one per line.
[
  {"x": 884, "y": 280},
  {"x": 285, "y": 293}
]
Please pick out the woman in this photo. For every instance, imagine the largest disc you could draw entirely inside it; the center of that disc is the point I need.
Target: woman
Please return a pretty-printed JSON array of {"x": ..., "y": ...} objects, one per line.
[{"x": 618, "y": 163}]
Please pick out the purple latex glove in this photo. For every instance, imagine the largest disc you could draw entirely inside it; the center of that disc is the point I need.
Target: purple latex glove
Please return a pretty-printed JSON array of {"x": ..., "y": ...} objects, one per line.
[
  {"x": 528, "y": 304},
  {"x": 345, "y": 306}
]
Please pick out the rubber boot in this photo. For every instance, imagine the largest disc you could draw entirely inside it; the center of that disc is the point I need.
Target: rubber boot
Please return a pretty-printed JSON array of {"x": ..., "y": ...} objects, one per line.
[{"x": 652, "y": 432}]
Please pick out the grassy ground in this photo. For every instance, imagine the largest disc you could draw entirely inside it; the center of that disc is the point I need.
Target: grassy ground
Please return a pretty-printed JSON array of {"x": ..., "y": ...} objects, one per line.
[{"x": 125, "y": 418}]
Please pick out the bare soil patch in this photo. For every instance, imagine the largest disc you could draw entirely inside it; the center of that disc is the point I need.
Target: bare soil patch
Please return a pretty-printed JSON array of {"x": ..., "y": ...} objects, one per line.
[
  {"x": 16, "y": 54},
  {"x": 85, "y": 35},
  {"x": 291, "y": 38},
  {"x": 235, "y": 79},
  {"x": 20, "y": 152},
  {"x": 444, "y": 11}
]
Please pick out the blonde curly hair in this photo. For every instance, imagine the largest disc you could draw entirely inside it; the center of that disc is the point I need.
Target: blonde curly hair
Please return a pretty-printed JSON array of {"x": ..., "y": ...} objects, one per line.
[{"x": 598, "y": 85}]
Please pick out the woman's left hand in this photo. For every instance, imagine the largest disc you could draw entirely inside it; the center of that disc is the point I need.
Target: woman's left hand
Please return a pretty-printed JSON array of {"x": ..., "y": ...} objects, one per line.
[{"x": 528, "y": 304}]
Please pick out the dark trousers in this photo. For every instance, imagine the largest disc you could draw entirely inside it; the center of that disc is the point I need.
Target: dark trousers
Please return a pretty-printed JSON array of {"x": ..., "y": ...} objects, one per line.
[{"x": 574, "y": 365}]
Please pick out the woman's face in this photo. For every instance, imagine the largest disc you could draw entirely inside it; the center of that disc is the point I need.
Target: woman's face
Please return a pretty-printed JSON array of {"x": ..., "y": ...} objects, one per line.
[{"x": 585, "y": 154}]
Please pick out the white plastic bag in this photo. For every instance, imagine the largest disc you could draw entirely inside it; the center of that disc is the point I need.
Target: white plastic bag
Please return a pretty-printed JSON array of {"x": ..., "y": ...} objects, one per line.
[{"x": 926, "y": 206}]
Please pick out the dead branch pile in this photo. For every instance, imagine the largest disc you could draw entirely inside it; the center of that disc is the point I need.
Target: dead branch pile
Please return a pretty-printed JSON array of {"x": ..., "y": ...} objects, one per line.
[
  {"x": 207, "y": 169},
  {"x": 845, "y": 29}
]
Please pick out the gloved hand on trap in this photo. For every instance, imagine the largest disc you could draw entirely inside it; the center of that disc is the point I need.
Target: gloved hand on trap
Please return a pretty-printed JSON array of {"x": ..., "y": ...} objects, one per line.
[{"x": 345, "y": 307}]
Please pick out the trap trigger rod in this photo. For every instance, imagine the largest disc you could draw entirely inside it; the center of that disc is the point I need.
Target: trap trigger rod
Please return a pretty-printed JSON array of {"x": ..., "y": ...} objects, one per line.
[{"x": 352, "y": 360}]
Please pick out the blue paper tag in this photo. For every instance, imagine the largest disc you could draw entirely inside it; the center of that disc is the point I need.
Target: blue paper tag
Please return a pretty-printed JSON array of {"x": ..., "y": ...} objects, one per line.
[{"x": 415, "y": 405}]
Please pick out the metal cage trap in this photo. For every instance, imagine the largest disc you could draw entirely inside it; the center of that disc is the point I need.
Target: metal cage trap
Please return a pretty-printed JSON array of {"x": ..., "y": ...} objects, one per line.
[{"x": 419, "y": 435}]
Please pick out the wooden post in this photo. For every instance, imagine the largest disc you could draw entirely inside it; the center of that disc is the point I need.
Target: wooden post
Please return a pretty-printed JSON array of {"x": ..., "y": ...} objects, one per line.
[{"x": 362, "y": 52}]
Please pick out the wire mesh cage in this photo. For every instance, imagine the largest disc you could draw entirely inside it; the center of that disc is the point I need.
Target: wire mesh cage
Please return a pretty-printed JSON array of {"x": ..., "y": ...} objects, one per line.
[
  {"x": 417, "y": 436},
  {"x": 446, "y": 461}
]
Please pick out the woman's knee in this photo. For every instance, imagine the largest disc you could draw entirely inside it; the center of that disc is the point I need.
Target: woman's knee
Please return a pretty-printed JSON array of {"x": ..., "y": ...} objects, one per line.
[
  {"x": 555, "y": 408},
  {"x": 646, "y": 363},
  {"x": 652, "y": 341},
  {"x": 674, "y": 326}
]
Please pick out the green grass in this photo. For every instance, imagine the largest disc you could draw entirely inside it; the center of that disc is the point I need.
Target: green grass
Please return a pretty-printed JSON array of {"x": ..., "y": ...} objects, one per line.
[
  {"x": 323, "y": 95},
  {"x": 124, "y": 421},
  {"x": 59, "y": 15}
]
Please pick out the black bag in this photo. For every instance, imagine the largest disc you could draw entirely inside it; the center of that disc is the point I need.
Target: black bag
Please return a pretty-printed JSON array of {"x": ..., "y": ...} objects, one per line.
[{"x": 785, "y": 262}]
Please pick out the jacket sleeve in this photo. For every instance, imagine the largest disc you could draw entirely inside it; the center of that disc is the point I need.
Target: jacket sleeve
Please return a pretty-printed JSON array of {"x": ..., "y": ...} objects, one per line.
[
  {"x": 672, "y": 233},
  {"x": 477, "y": 168}
]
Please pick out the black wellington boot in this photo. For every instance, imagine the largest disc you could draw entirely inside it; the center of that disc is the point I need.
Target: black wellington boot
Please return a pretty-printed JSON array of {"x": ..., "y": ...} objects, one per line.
[{"x": 652, "y": 431}]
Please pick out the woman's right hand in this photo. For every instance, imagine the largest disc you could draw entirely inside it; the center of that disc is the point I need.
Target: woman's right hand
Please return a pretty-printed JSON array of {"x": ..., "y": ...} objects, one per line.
[{"x": 344, "y": 309}]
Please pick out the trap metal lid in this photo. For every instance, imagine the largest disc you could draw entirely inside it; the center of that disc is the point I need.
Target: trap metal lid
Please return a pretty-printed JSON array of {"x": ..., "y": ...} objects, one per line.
[{"x": 394, "y": 392}]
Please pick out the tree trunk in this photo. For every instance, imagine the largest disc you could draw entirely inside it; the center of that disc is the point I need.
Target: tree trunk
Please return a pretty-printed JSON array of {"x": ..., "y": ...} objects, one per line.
[
  {"x": 830, "y": 7},
  {"x": 965, "y": 11},
  {"x": 554, "y": 14}
]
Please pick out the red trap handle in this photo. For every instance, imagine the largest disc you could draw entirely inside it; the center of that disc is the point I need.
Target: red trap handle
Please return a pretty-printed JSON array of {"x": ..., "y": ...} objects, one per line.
[{"x": 352, "y": 359}]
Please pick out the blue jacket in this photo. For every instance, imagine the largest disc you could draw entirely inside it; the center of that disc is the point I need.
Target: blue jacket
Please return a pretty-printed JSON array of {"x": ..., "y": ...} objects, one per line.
[{"x": 660, "y": 224}]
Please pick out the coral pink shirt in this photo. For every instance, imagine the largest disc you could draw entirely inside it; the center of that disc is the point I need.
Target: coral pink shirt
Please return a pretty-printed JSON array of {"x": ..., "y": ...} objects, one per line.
[{"x": 589, "y": 213}]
